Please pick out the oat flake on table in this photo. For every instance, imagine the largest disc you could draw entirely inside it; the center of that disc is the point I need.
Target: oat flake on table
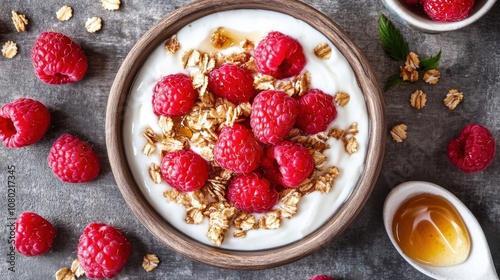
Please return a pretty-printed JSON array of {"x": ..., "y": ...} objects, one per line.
[
  {"x": 20, "y": 21},
  {"x": 93, "y": 24},
  {"x": 111, "y": 5},
  {"x": 9, "y": 49},
  {"x": 64, "y": 13}
]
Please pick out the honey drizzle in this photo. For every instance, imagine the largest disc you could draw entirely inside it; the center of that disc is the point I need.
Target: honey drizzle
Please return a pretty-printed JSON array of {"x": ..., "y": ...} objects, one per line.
[{"x": 429, "y": 230}]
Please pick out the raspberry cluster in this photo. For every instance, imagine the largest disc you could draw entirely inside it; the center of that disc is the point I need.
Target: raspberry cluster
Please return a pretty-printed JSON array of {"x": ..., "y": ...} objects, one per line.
[
  {"x": 56, "y": 60},
  {"x": 256, "y": 151},
  {"x": 59, "y": 60}
]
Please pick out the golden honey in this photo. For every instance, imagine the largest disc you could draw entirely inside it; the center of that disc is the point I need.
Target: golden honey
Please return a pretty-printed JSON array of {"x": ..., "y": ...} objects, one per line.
[{"x": 429, "y": 230}]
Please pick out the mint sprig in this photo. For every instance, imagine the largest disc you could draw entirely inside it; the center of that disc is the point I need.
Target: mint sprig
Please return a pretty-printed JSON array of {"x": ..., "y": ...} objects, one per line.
[
  {"x": 392, "y": 81},
  {"x": 397, "y": 48},
  {"x": 393, "y": 42},
  {"x": 430, "y": 63}
]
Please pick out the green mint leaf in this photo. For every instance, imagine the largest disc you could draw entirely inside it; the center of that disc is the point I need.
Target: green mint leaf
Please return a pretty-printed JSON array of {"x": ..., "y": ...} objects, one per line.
[
  {"x": 392, "y": 41},
  {"x": 392, "y": 81},
  {"x": 430, "y": 63}
]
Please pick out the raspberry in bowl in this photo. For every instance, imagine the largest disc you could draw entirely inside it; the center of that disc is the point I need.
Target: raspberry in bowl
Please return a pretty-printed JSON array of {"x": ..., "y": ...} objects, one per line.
[
  {"x": 436, "y": 16},
  {"x": 301, "y": 204}
]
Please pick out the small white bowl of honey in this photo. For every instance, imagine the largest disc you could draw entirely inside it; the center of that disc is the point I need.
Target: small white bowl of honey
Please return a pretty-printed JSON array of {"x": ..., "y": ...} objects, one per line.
[{"x": 436, "y": 233}]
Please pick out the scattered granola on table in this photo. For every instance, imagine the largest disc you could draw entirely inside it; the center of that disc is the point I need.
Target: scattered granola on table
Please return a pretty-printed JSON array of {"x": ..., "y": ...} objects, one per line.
[
  {"x": 453, "y": 98},
  {"x": 418, "y": 99},
  {"x": 398, "y": 132},
  {"x": 409, "y": 72},
  {"x": 431, "y": 76},
  {"x": 9, "y": 49},
  {"x": 77, "y": 269},
  {"x": 93, "y": 24},
  {"x": 111, "y": 5},
  {"x": 150, "y": 262},
  {"x": 20, "y": 21},
  {"x": 64, "y": 13},
  {"x": 65, "y": 274}
]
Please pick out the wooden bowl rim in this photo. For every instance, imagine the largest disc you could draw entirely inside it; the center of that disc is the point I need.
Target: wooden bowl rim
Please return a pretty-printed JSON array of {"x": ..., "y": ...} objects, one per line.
[{"x": 224, "y": 258}]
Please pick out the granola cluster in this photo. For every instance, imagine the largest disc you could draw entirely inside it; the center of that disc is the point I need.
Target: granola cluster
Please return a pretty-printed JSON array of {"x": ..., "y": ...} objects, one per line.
[
  {"x": 418, "y": 99},
  {"x": 199, "y": 130},
  {"x": 9, "y": 48}
]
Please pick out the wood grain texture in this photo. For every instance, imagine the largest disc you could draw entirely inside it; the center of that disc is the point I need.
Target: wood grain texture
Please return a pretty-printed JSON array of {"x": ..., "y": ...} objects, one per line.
[{"x": 228, "y": 258}]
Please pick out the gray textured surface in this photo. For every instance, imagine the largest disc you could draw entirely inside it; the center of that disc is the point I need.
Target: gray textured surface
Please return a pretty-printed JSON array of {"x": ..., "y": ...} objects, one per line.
[{"x": 470, "y": 62}]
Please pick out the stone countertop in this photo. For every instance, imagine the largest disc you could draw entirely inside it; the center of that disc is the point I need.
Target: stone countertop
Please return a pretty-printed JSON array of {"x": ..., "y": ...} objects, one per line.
[{"x": 470, "y": 62}]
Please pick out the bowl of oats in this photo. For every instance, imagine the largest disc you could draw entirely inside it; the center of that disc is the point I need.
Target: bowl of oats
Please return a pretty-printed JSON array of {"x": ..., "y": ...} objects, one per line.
[{"x": 245, "y": 135}]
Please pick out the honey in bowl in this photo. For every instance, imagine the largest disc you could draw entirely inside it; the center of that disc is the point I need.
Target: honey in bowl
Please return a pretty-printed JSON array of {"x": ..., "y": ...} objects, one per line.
[{"x": 429, "y": 230}]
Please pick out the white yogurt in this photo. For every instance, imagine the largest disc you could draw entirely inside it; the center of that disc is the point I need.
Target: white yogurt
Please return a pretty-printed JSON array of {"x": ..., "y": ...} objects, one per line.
[{"x": 331, "y": 76}]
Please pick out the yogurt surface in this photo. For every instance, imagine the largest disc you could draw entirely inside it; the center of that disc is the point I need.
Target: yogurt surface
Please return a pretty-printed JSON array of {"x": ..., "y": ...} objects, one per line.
[{"x": 331, "y": 76}]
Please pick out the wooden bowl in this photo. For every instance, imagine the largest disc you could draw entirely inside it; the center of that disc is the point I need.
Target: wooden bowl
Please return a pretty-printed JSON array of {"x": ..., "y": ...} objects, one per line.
[{"x": 243, "y": 260}]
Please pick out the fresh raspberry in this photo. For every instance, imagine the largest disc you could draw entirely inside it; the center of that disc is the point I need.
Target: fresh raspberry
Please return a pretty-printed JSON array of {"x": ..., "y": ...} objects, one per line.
[
  {"x": 252, "y": 193},
  {"x": 321, "y": 277},
  {"x": 34, "y": 234},
  {"x": 237, "y": 149},
  {"x": 287, "y": 164},
  {"x": 73, "y": 160},
  {"x": 174, "y": 95},
  {"x": 184, "y": 170},
  {"x": 23, "y": 122},
  {"x": 279, "y": 55},
  {"x": 473, "y": 150},
  {"x": 316, "y": 111},
  {"x": 232, "y": 82},
  {"x": 273, "y": 115},
  {"x": 102, "y": 251},
  {"x": 447, "y": 10},
  {"x": 57, "y": 59}
]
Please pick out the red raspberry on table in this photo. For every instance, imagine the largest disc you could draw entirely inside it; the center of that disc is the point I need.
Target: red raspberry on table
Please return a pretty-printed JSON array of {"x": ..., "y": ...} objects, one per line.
[
  {"x": 73, "y": 160},
  {"x": 23, "y": 122},
  {"x": 279, "y": 55},
  {"x": 237, "y": 149},
  {"x": 102, "y": 251},
  {"x": 174, "y": 95},
  {"x": 57, "y": 59},
  {"x": 252, "y": 193},
  {"x": 232, "y": 82},
  {"x": 321, "y": 277},
  {"x": 473, "y": 150},
  {"x": 316, "y": 111},
  {"x": 447, "y": 10},
  {"x": 184, "y": 170},
  {"x": 273, "y": 116},
  {"x": 34, "y": 234},
  {"x": 287, "y": 164}
]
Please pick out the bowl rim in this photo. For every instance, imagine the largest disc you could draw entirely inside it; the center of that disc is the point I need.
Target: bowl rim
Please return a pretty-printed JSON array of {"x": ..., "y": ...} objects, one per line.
[
  {"x": 225, "y": 258},
  {"x": 428, "y": 25}
]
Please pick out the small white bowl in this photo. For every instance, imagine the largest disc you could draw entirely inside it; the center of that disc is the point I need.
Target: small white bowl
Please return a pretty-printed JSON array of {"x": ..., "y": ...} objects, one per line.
[
  {"x": 422, "y": 22},
  {"x": 479, "y": 264}
]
